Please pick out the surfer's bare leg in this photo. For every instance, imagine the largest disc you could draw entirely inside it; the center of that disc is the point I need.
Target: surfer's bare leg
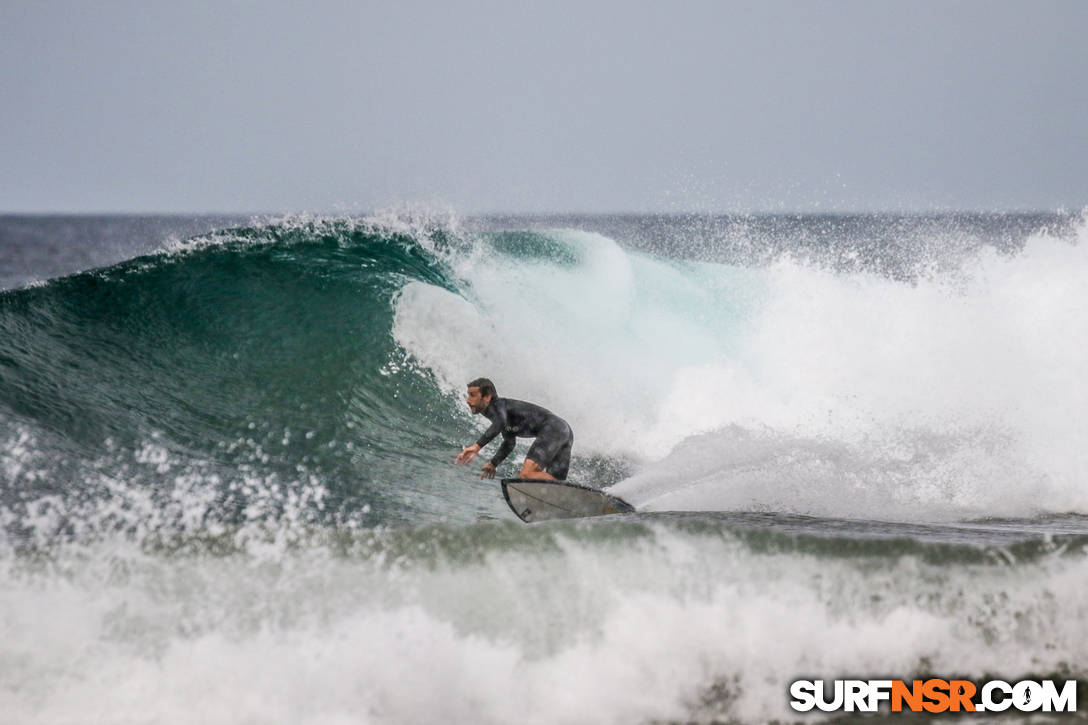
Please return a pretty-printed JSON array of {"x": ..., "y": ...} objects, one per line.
[{"x": 532, "y": 469}]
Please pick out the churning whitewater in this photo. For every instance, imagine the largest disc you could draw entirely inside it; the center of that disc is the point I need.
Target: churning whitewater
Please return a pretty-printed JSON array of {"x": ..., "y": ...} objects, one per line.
[{"x": 856, "y": 446}]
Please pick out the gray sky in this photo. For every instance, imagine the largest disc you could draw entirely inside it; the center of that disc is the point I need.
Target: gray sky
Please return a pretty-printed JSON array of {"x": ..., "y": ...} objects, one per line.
[{"x": 544, "y": 106}]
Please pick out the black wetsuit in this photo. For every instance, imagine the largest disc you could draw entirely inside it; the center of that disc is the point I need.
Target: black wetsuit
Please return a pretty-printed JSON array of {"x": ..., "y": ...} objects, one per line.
[{"x": 518, "y": 419}]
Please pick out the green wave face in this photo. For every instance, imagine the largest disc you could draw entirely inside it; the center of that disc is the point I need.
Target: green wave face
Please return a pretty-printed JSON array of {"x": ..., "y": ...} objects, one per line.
[{"x": 255, "y": 352}]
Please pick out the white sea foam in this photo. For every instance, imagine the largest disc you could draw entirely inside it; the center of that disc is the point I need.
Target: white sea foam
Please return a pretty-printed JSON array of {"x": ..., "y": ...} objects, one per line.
[
  {"x": 664, "y": 626},
  {"x": 957, "y": 394},
  {"x": 599, "y": 342}
]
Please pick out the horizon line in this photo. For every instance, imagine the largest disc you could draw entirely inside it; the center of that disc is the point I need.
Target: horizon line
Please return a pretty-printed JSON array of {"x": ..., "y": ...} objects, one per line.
[{"x": 1060, "y": 210}]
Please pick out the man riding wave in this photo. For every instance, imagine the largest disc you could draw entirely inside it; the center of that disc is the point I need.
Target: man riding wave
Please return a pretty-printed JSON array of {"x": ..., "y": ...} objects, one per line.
[{"x": 549, "y": 456}]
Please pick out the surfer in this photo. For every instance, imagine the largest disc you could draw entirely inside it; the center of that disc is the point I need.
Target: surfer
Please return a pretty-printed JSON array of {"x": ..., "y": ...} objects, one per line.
[{"x": 549, "y": 456}]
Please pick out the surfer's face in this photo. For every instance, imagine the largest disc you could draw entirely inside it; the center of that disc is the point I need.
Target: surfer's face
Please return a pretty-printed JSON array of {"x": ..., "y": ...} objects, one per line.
[{"x": 476, "y": 402}]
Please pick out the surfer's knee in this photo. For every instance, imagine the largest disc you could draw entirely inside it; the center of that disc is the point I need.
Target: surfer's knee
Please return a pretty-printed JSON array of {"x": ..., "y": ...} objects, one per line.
[{"x": 532, "y": 469}]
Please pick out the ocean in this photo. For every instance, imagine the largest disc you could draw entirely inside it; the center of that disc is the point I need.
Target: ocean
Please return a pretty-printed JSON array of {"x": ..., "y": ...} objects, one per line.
[{"x": 856, "y": 443}]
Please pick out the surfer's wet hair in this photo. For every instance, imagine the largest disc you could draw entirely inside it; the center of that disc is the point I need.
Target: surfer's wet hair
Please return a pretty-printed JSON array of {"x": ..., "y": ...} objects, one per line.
[{"x": 486, "y": 387}]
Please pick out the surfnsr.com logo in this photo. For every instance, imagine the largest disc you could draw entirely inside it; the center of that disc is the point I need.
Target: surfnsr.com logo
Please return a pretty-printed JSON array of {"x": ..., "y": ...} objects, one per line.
[{"x": 933, "y": 695}]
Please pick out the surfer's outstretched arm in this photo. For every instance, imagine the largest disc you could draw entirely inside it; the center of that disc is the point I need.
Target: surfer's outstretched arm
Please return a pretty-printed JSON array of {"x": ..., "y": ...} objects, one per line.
[{"x": 468, "y": 453}]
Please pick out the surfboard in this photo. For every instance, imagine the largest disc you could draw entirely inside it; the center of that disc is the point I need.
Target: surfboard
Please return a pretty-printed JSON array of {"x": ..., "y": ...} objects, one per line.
[{"x": 535, "y": 500}]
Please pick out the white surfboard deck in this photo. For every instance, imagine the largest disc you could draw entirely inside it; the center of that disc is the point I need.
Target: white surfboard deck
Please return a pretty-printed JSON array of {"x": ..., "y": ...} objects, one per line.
[{"x": 535, "y": 500}]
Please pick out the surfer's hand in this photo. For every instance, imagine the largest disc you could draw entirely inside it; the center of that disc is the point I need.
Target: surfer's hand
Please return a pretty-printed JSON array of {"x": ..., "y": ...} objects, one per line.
[
  {"x": 488, "y": 471},
  {"x": 468, "y": 454}
]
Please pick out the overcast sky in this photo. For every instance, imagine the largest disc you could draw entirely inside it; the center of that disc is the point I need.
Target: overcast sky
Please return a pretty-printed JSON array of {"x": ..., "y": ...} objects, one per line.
[{"x": 544, "y": 106}]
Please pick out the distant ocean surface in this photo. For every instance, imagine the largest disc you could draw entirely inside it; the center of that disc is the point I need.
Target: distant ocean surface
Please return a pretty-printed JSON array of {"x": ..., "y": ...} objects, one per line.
[{"x": 857, "y": 445}]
